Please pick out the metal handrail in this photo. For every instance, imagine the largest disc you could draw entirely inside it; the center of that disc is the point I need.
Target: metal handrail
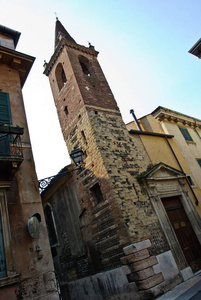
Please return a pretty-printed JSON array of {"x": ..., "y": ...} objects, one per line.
[{"x": 10, "y": 145}]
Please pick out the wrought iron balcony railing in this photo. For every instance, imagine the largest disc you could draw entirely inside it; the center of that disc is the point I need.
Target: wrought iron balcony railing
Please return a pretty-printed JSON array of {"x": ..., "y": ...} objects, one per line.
[{"x": 10, "y": 142}]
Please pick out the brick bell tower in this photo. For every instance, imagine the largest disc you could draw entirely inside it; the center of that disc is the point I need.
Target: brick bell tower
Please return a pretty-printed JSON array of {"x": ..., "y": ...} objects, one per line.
[{"x": 109, "y": 194}]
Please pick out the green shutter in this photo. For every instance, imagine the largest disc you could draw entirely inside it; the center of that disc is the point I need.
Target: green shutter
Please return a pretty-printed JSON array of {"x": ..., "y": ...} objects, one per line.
[
  {"x": 199, "y": 161},
  {"x": 186, "y": 134},
  {"x": 5, "y": 111}
]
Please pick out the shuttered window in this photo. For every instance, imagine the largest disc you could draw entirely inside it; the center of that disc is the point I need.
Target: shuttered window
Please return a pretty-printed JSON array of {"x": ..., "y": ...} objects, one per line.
[
  {"x": 199, "y": 161},
  {"x": 186, "y": 134},
  {"x": 5, "y": 111}
]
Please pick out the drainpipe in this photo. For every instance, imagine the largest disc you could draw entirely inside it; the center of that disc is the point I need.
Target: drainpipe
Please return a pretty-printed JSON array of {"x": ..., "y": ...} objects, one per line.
[
  {"x": 196, "y": 199},
  {"x": 196, "y": 129},
  {"x": 136, "y": 120}
]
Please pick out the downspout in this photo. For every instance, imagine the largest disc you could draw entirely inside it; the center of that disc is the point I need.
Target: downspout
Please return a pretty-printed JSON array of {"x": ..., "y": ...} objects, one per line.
[
  {"x": 196, "y": 199},
  {"x": 196, "y": 129},
  {"x": 136, "y": 120}
]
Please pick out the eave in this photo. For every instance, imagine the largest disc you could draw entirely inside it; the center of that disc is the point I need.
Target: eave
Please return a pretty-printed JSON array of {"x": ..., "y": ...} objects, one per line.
[
  {"x": 17, "y": 61},
  {"x": 196, "y": 49},
  {"x": 165, "y": 114}
]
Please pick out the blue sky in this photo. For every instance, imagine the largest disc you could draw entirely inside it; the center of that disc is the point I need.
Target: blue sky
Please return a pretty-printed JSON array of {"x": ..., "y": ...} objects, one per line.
[{"x": 143, "y": 47}]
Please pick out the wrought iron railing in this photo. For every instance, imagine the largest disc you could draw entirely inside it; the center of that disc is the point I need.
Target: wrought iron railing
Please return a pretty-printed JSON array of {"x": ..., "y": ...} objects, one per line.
[
  {"x": 10, "y": 143},
  {"x": 46, "y": 182}
]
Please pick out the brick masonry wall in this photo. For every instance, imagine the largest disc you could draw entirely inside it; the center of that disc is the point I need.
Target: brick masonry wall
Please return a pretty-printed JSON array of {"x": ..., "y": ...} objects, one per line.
[{"x": 112, "y": 158}]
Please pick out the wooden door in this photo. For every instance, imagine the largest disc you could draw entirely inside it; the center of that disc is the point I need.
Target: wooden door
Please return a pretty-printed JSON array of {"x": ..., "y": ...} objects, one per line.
[{"x": 184, "y": 231}]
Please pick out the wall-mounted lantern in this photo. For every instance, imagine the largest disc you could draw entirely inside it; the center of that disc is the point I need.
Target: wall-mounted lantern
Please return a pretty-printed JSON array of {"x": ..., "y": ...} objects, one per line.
[{"x": 77, "y": 156}]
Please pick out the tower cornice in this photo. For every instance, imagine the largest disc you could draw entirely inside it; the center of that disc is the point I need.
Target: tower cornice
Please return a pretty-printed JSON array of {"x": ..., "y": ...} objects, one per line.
[{"x": 63, "y": 42}]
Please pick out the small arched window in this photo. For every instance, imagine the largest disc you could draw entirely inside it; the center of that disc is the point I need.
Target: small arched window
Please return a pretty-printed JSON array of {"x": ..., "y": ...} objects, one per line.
[
  {"x": 85, "y": 69},
  {"x": 51, "y": 227},
  {"x": 60, "y": 76},
  {"x": 85, "y": 65}
]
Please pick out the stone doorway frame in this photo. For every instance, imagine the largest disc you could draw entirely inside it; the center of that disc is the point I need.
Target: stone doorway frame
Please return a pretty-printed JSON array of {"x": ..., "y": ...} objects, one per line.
[{"x": 163, "y": 181}]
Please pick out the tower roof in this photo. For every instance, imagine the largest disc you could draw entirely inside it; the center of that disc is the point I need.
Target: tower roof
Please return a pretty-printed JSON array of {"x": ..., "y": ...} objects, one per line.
[{"x": 59, "y": 29}]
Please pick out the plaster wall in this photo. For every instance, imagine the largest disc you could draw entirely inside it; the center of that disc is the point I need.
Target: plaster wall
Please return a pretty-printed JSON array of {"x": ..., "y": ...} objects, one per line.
[
  {"x": 150, "y": 124},
  {"x": 131, "y": 125},
  {"x": 190, "y": 150},
  {"x": 31, "y": 257},
  {"x": 159, "y": 151}
]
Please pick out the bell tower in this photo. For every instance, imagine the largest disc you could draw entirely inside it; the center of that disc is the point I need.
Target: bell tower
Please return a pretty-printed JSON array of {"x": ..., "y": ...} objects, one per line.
[{"x": 90, "y": 120}]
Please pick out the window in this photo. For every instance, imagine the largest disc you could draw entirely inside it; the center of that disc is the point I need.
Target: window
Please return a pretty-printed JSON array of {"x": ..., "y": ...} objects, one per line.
[
  {"x": 199, "y": 161},
  {"x": 49, "y": 218},
  {"x": 97, "y": 192},
  {"x": 85, "y": 69},
  {"x": 186, "y": 134},
  {"x": 66, "y": 110},
  {"x": 84, "y": 137},
  {"x": 85, "y": 65},
  {"x": 5, "y": 118},
  {"x": 60, "y": 76},
  {"x": 190, "y": 180},
  {"x": 5, "y": 111},
  {"x": 6, "y": 255}
]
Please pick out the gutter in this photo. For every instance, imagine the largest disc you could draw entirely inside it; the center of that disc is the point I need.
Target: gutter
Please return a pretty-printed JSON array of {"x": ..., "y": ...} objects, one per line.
[{"x": 133, "y": 131}]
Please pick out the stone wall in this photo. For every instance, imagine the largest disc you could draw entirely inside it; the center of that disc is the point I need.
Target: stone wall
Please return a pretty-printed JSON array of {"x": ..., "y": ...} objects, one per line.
[
  {"x": 142, "y": 276},
  {"x": 90, "y": 120}
]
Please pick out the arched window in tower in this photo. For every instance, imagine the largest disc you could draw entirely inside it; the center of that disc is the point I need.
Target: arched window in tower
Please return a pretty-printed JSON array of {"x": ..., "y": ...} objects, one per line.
[
  {"x": 60, "y": 76},
  {"x": 85, "y": 65},
  {"x": 51, "y": 227}
]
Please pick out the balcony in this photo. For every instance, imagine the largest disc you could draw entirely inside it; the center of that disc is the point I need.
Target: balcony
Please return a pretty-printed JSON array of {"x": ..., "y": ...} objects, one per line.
[{"x": 11, "y": 155}]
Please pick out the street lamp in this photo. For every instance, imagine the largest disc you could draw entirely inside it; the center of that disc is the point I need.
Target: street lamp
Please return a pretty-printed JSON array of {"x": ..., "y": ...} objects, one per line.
[{"x": 77, "y": 156}]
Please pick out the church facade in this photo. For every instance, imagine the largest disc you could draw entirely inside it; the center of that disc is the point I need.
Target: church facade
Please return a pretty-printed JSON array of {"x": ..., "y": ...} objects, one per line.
[{"x": 118, "y": 212}]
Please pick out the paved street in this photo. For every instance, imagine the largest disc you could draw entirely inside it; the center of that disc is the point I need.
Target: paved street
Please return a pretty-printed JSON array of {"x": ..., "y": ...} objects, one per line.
[
  {"x": 194, "y": 293},
  {"x": 188, "y": 290}
]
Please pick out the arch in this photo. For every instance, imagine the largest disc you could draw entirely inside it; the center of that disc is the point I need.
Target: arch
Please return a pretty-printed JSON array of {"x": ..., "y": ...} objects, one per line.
[
  {"x": 51, "y": 226},
  {"x": 85, "y": 65},
  {"x": 60, "y": 76}
]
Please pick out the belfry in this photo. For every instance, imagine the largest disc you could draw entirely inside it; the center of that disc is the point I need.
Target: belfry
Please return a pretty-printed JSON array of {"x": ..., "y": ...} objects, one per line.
[{"x": 116, "y": 214}]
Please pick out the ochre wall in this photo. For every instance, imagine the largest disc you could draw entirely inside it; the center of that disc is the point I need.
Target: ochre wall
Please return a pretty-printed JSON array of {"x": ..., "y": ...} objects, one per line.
[
  {"x": 36, "y": 274},
  {"x": 158, "y": 151}
]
